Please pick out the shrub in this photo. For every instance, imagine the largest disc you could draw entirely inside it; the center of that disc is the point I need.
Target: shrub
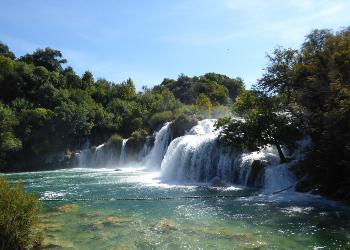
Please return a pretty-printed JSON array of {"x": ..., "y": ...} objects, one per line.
[
  {"x": 182, "y": 124},
  {"x": 115, "y": 139},
  {"x": 139, "y": 134},
  {"x": 18, "y": 217},
  {"x": 160, "y": 118}
]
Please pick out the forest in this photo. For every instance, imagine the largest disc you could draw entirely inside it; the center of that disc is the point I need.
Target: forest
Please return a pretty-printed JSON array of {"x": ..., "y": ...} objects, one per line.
[{"x": 47, "y": 109}]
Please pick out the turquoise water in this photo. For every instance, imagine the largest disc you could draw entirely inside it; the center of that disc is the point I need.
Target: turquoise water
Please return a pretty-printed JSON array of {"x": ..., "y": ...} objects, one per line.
[{"x": 84, "y": 209}]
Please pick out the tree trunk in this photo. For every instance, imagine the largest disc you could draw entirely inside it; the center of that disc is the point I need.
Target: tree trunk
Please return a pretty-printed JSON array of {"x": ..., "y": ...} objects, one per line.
[{"x": 280, "y": 153}]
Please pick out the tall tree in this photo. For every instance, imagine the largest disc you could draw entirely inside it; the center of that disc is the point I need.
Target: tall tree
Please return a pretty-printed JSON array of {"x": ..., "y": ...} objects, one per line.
[
  {"x": 5, "y": 51},
  {"x": 49, "y": 58}
]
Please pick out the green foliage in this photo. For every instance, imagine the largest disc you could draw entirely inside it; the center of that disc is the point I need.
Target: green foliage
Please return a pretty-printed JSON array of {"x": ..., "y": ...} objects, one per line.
[
  {"x": 8, "y": 140},
  {"x": 261, "y": 123},
  {"x": 49, "y": 58},
  {"x": 5, "y": 51},
  {"x": 219, "y": 88},
  {"x": 204, "y": 103},
  {"x": 182, "y": 124},
  {"x": 54, "y": 109},
  {"x": 139, "y": 134},
  {"x": 312, "y": 87},
  {"x": 6, "y": 65},
  {"x": 160, "y": 118},
  {"x": 18, "y": 217},
  {"x": 115, "y": 139}
]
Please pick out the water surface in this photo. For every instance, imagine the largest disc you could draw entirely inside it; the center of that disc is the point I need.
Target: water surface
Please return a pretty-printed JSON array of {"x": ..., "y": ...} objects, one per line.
[{"x": 99, "y": 209}]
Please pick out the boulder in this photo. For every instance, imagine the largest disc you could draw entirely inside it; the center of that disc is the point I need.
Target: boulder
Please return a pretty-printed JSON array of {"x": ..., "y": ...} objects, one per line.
[{"x": 216, "y": 182}]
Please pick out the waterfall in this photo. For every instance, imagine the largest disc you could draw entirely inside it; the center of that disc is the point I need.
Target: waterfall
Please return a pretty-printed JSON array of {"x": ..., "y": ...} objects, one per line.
[
  {"x": 162, "y": 139},
  {"x": 191, "y": 157},
  {"x": 101, "y": 156},
  {"x": 122, "y": 152},
  {"x": 199, "y": 157},
  {"x": 83, "y": 157},
  {"x": 146, "y": 149}
]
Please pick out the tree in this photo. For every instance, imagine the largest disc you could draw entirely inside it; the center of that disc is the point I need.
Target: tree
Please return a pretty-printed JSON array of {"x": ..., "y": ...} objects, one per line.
[
  {"x": 49, "y": 58},
  {"x": 18, "y": 217},
  {"x": 5, "y": 51},
  {"x": 261, "y": 123},
  {"x": 87, "y": 80},
  {"x": 6, "y": 65},
  {"x": 8, "y": 140},
  {"x": 279, "y": 74},
  {"x": 205, "y": 105}
]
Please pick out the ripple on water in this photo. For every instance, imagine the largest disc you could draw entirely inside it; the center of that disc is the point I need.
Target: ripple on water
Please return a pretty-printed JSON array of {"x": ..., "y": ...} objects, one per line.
[{"x": 248, "y": 219}]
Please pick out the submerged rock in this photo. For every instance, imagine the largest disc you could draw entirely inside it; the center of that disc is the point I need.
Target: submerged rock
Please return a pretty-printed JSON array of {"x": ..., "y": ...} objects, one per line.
[
  {"x": 67, "y": 208},
  {"x": 165, "y": 226},
  {"x": 55, "y": 243},
  {"x": 216, "y": 182},
  {"x": 113, "y": 220},
  {"x": 49, "y": 226},
  {"x": 108, "y": 221}
]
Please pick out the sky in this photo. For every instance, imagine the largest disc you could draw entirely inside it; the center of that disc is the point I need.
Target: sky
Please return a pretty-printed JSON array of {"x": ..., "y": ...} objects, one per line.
[{"x": 156, "y": 39}]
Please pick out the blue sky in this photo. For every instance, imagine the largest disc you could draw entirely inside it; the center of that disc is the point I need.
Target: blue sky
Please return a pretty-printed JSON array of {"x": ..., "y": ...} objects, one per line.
[{"x": 153, "y": 39}]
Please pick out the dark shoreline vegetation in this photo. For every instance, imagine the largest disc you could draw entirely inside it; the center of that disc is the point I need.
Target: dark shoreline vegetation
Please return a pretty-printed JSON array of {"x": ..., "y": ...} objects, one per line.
[
  {"x": 47, "y": 111},
  {"x": 19, "y": 217}
]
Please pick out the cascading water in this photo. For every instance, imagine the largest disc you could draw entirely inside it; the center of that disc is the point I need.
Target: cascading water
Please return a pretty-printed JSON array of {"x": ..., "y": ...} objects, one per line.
[
  {"x": 83, "y": 157},
  {"x": 191, "y": 157},
  {"x": 199, "y": 157},
  {"x": 101, "y": 156},
  {"x": 162, "y": 139},
  {"x": 122, "y": 152}
]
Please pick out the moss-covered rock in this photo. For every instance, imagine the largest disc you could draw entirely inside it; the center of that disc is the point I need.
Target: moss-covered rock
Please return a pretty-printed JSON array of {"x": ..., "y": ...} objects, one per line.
[
  {"x": 108, "y": 221},
  {"x": 66, "y": 208}
]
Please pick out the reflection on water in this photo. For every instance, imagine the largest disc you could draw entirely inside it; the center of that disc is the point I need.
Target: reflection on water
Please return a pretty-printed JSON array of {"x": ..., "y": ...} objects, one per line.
[{"x": 238, "y": 218}]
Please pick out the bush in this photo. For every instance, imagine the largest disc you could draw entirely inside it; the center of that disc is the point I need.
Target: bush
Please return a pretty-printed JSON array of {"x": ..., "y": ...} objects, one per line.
[
  {"x": 18, "y": 217},
  {"x": 139, "y": 134},
  {"x": 160, "y": 118},
  {"x": 115, "y": 139},
  {"x": 182, "y": 124}
]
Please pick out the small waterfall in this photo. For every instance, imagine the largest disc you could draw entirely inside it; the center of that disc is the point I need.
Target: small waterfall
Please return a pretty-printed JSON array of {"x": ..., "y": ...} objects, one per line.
[
  {"x": 278, "y": 177},
  {"x": 83, "y": 157},
  {"x": 162, "y": 139},
  {"x": 122, "y": 152},
  {"x": 146, "y": 149},
  {"x": 101, "y": 156}
]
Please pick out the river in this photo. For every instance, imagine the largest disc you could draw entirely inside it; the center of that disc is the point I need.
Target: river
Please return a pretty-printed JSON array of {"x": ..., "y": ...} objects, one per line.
[{"x": 134, "y": 209}]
